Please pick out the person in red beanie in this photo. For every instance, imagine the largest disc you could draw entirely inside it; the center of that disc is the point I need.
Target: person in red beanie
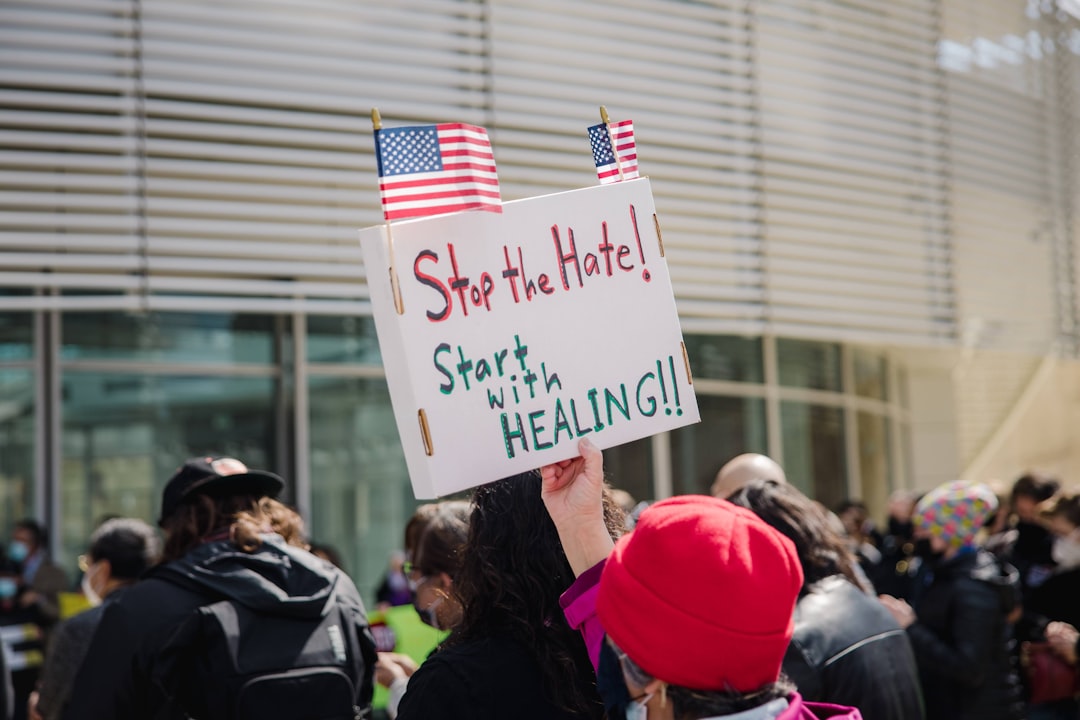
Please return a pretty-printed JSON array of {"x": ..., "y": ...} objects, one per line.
[{"x": 689, "y": 616}]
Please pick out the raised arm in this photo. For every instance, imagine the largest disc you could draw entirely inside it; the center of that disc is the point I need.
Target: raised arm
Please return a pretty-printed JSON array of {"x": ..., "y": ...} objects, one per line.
[{"x": 573, "y": 492}]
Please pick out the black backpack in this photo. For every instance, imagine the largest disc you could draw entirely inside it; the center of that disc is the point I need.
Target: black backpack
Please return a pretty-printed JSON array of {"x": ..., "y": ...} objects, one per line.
[{"x": 230, "y": 662}]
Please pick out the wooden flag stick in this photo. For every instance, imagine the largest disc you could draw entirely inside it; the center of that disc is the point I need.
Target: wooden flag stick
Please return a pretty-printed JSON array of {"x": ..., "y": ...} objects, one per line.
[
  {"x": 686, "y": 362},
  {"x": 611, "y": 138},
  {"x": 425, "y": 433},
  {"x": 659, "y": 235},
  {"x": 399, "y": 304}
]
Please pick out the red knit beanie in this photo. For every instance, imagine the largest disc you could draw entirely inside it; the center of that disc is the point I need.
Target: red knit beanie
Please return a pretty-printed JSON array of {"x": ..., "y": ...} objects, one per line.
[{"x": 701, "y": 595}]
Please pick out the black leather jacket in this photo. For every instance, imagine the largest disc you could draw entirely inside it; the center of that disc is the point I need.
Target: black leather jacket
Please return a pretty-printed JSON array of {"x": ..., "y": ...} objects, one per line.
[
  {"x": 962, "y": 639},
  {"x": 847, "y": 649}
]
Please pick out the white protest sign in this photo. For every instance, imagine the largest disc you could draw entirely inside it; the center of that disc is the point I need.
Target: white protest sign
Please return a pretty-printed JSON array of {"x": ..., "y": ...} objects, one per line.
[{"x": 525, "y": 330}]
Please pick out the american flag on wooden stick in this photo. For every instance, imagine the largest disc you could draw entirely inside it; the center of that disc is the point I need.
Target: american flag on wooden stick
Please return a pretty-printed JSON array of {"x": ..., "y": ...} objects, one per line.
[
  {"x": 624, "y": 157},
  {"x": 435, "y": 169}
]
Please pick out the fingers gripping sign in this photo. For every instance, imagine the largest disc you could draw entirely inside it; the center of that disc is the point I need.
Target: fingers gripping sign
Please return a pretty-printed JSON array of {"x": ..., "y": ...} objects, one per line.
[
  {"x": 575, "y": 486},
  {"x": 573, "y": 492}
]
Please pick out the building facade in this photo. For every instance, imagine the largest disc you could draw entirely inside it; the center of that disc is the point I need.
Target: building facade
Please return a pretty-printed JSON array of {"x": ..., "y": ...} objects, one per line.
[{"x": 869, "y": 210}]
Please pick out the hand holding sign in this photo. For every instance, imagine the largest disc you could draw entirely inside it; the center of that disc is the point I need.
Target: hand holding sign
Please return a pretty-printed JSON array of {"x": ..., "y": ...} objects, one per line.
[{"x": 572, "y": 492}]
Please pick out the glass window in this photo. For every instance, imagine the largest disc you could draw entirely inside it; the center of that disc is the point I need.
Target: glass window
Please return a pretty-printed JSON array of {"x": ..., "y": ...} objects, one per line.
[
  {"x": 725, "y": 357},
  {"x": 629, "y": 467},
  {"x": 16, "y": 447},
  {"x": 16, "y": 336},
  {"x": 360, "y": 491},
  {"x": 870, "y": 374},
  {"x": 875, "y": 455},
  {"x": 806, "y": 364},
  {"x": 902, "y": 386},
  {"x": 169, "y": 337},
  {"x": 906, "y": 480},
  {"x": 729, "y": 426},
  {"x": 342, "y": 340},
  {"x": 125, "y": 434},
  {"x": 814, "y": 457}
]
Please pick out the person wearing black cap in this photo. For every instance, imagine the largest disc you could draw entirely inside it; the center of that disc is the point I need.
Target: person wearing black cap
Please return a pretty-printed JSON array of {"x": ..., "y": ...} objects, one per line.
[{"x": 196, "y": 636}]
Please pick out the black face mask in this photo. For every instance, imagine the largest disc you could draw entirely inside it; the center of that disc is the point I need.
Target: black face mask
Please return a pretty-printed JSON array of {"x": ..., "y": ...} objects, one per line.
[
  {"x": 1032, "y": 537},
  {"x": 901, "y": 529},
  {"x": 611, "y": 684},
  {"x": 927, "y": 553}
]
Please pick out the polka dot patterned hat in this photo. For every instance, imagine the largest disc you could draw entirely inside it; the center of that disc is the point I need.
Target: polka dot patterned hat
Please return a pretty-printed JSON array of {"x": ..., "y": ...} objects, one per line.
[{"x": 955, "y": 512}]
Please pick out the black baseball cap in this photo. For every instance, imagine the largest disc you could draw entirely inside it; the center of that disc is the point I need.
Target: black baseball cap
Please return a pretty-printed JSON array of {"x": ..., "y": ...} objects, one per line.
[{"x": 216, "y": 477}]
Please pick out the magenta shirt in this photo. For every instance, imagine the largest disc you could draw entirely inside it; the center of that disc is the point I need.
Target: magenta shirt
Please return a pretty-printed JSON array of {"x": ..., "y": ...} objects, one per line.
[{"x": 579, "y": 607}]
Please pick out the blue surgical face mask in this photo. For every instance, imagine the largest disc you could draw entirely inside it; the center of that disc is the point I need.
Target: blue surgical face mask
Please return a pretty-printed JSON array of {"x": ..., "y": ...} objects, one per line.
[
  {"x": 611, "y": 685},
  {"x": 18, "y": 551},
  {"x": 88, "y": 586},
  {"x": 1066, "y": 552},
  {"x": 636, "y": 710},
  {"x": 8, "y": 588}
]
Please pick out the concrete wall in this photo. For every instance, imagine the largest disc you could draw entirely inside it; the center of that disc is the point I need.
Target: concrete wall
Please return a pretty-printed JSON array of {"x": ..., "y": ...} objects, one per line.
[
  {"x": 934, "y": 450},
  {"x": 1040, "y": 432}
]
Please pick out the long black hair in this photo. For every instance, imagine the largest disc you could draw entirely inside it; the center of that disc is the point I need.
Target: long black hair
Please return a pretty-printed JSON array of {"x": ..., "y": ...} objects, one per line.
[{"x": 512, "y": 574}]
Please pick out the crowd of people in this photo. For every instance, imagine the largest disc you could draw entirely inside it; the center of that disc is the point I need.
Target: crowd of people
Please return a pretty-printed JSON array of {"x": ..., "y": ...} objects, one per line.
[{"x": 560, "y": 597}]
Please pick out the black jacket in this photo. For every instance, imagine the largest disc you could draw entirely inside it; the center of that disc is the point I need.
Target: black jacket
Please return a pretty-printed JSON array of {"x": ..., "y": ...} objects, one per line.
[
  {"x": 962, "y": 639},
  {"x": 68, "y": 646},
  {"x": 1058, "y": 598},
  {"x": 122, "y": 674},
  {"x": 1028, "y": 547},
  {"x": 848, "y": 650},
  {"x": 7, "y": 696},
  {"x": 488, "y": 678},
  {"x": 895, "y": 575}
]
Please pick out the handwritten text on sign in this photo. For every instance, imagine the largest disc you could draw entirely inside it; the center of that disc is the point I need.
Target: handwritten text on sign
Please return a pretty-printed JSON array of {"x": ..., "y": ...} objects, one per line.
[{"x": 524, "y": 331}]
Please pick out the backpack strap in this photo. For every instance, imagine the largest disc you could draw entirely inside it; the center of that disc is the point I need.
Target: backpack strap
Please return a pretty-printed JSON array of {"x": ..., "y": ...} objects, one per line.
[{"x": 361, "y": 648}]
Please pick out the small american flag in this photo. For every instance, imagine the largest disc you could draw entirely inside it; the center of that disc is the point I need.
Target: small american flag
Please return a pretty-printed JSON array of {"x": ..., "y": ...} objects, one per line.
[
  {"x": 435, "y": 169},
  {"x": 601, "y": 137}
]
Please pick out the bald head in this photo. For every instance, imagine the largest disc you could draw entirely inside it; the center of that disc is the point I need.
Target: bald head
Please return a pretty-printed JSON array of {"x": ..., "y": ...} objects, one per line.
[{"x": 744, "y": 469}]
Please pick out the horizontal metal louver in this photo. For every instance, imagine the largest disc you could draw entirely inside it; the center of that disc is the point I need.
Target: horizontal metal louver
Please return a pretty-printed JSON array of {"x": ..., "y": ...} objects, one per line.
[
  {"x": 1001, "y": 88},
  {"x": 207, "y": 155},
  {"x": 1011, "y": 82},
  {"x": 822, "y": 169},
  {"x": 683, "y": 73},
  {"x": 856, "y": 236},
  {"x": 69, "y": 195}
]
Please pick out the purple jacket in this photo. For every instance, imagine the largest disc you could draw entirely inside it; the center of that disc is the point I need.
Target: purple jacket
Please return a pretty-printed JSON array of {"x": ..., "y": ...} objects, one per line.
[
  {"x": 800, "y": 710},
  {"x": 579, "y": 607}
]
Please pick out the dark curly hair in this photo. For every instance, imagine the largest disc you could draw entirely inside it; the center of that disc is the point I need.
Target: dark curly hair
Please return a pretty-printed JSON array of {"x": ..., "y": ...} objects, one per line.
[
  {"x": 130, "y": 546},
  {"x": 512, "y": 574},
  {"x": 1039, "y": 488},
  {"x": 822, "y": 553}
]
